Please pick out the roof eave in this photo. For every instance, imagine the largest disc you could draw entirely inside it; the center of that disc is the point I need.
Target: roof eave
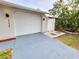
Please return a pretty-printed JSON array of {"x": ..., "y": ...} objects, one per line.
[{"x": 22, "y": 7}]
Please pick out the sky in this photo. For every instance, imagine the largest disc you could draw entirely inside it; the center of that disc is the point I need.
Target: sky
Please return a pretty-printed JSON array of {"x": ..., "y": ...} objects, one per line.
[{"x": 37, "y": 4}]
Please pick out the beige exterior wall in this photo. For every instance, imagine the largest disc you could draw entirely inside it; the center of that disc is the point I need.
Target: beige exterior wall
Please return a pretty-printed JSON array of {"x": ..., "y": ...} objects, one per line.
[
  {"x": 44, "y": 23},
  {"x": 21, "y": 22},
  {"x": 5, "y": 30}
]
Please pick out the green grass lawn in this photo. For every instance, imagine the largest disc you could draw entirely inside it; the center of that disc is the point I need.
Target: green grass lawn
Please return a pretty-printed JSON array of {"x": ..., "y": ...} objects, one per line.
[{"x": 70, "y": 40}]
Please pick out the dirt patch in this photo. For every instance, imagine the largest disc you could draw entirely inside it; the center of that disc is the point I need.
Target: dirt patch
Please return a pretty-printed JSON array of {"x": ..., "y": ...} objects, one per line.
[{"x": 70, "y": 40}]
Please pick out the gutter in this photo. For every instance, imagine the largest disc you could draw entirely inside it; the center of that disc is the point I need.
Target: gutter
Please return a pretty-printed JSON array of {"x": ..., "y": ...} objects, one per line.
[{"x": 2, "y": 2}]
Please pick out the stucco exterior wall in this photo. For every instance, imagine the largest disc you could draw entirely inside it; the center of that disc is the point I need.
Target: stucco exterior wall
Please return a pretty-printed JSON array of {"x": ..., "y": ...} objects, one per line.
[
  {"x": 5, "y": 30},
  {"x": 26, "y": 22},
  {"x": 44, "y": 23}
]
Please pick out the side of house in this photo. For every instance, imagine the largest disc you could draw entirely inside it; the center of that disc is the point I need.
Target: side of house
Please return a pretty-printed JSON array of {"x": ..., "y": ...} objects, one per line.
[
  {"x": 16, "y": 21},
  {"x": 7, "y": 29},
  {"x": 28, "y": 22}
]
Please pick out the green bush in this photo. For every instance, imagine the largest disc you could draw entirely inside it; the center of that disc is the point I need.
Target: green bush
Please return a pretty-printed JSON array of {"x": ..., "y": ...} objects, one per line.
[
  {"x": 3, "y": 54},
  {"x": 67, "y": 14},
  {"x": 68, "y": 20}
]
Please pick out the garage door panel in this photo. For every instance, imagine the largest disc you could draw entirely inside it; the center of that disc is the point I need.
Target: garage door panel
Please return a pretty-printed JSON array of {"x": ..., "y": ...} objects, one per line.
[{"x": 27, "y": 23}]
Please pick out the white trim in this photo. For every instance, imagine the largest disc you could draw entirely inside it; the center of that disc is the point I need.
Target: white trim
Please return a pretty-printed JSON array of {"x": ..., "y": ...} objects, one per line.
[{"x": 21, "y": 7}]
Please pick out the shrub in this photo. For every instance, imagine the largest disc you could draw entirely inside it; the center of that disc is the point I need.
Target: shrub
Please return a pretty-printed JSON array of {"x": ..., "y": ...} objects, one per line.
[
  {"x": 67, "y": 14},
  {"x": 6, "y": 54},
  {"x": 68, "y": 21}
]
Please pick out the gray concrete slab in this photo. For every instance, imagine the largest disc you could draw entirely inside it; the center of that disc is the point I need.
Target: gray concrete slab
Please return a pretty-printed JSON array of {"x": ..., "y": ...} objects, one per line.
[
  {"x": 7, "y": 44},
  {"x": 39, "y": 46}
]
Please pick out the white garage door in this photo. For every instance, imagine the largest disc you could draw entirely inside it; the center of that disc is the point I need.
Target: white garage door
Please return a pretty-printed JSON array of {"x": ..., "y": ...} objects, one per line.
[{"x": 27, "y": 23}]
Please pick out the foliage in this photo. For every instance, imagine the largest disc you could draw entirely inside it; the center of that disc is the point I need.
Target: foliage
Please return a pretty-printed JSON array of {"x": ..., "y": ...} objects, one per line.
[
  {"x": 3, "y": 54},
  {"x": 56, "y": 9},
  {"x": 6, "y": 54},
  {"x": 67, "y": 15},
  {"x": 68, "y": 22}
]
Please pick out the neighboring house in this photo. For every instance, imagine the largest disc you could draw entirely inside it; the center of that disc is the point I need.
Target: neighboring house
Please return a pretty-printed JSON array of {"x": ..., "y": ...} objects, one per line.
[{"x": 16, "y": 20}]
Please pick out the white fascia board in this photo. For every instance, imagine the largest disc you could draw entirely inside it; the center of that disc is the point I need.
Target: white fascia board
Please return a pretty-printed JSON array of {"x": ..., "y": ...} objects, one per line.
[{"x": 22, "y": 7}]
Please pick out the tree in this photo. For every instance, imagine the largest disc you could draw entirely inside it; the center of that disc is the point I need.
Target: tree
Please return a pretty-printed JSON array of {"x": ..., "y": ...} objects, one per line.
[{"x": 67, "y": 14}]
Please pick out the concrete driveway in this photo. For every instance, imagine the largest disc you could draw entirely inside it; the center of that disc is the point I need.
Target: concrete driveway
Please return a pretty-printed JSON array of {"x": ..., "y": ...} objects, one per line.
[{"x": 39, "y": 46}]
